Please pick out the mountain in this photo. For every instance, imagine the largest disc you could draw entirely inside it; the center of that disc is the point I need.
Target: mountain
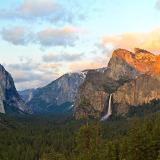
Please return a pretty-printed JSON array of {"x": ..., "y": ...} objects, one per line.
[
  {"x": 131, "y": 77},
  {"x": 27, "y": 94},
  {"x": 139, "y": 91},
  {"x": 57, "y": 97},
  {"x": 10, "y": 101}
]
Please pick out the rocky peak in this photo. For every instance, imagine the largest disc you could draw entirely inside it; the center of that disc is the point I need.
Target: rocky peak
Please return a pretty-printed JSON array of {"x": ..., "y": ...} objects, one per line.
[
  {"x": 122, "y": 53},
  {"x": 144, "y": 56},
  {"x": 58, "y": 94},
  {"x": 139, "y": 50},
  {"x": 142, "y": 60},
  {"x": 122, "y": 72},
  {"x": 1, "y": 67}
]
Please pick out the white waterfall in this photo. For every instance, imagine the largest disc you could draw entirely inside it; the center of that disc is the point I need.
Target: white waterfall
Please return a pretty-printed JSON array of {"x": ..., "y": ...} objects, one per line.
[
  {"x": 109, "y": 112},
  {"x": 2, "y": 110}
]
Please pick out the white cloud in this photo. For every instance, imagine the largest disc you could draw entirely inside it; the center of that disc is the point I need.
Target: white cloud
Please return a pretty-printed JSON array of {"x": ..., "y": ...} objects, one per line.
[
  {"x": 157, "y": 5},
  {"x": 16, "y": 35},
  {"x": 29, "y": 74},
  {"x": 66, "y": 57},
  {"x": 57, "y": 37},
  {"x": 129, "y": 40},
  {"x": 48, "y": 10},
  {"x": 66, "y": 36}
]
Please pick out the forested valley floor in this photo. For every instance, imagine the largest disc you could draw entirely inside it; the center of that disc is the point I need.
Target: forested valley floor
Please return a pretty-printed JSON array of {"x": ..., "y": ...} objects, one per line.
[{"x": 50, "y": 138}]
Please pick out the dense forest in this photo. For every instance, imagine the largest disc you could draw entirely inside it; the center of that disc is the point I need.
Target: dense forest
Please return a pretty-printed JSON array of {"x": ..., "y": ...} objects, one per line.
[{"x": 135, "y": 137}]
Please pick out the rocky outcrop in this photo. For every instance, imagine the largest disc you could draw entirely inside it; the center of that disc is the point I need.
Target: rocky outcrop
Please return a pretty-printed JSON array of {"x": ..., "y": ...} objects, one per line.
[
  {"x": 60, "y": 94},
  {"x": 98, "y": 85},
  {"x": 91, "y": 88},
  {"x": 9, "y": 97},
  {"x": 142, "y": 60},
  {"x": 131, "y": 77},
  {"x": 139, "y": 91}
]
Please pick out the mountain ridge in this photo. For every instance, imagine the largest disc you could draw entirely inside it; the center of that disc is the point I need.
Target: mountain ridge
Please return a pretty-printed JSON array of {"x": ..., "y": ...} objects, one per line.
[
  {"x": 128, "y": 75},
  {"x": 60, "y": 92},
  {"x": 124, "y": 68},
  {"x": 144, "y": 61}
]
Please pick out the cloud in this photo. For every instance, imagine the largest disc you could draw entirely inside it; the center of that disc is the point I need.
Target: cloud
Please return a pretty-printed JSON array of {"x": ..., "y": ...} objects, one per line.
[
  {"x": 47, "y": 10},
  {"x": 51, "y": 57},
  {"x": 87, "y": 64},
  {"x": 22, "y": 75},
  {"x": 16, "y": 35},
  {"x": 66, "y": 36},
  {"x": 149, "y": 41},
  {"x": 57, "y": 37},
  {"x": 27, "y": 65},
  {"x": 157, "y": 5},
  {"x": 29, "y": 74}
]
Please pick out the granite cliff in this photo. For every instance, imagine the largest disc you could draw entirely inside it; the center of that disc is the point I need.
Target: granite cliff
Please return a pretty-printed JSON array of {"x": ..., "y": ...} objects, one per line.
[
  {"x": 132, "y": 78},
  {"x": 10, "y": 101}
]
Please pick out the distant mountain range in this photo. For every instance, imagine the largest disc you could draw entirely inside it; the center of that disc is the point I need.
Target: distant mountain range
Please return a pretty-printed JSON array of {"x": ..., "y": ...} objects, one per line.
[
  {"x": 130, "y": 79},
  {"x": 57, "y": 97}
]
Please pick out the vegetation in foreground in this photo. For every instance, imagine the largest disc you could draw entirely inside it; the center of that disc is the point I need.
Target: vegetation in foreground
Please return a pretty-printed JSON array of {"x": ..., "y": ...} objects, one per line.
[{"x": 48, "y": 138}]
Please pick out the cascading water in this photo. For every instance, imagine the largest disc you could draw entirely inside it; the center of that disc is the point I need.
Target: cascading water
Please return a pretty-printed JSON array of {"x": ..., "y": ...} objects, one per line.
[
  {"x": 109, "y": 112},
  {"x": 2, "y": 110}
]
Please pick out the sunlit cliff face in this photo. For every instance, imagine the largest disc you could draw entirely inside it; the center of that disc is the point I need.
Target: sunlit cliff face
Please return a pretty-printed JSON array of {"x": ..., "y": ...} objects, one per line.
[{"x": 140, "y": 59}]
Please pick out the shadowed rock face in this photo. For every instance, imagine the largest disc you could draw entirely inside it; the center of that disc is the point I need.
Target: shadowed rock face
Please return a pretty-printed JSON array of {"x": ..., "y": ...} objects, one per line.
[
  {"x": 133, "y": 78},
  {"x": 9, "y": 96},
  {"x": 139, "y": 91},
  {"x": 1, "y": 101}
]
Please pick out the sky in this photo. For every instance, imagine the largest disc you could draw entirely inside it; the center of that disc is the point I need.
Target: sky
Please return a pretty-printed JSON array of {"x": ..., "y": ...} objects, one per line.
[{"x": 41, "y": 40}]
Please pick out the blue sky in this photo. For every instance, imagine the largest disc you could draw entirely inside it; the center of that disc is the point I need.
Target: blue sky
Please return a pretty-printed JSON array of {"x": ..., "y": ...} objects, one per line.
[{"x": 42, "y": 39}]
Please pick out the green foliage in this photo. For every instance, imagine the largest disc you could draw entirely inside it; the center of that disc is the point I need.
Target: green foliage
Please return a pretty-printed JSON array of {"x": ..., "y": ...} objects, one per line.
[
  {"x": 145, "y": 109},
  {"x": 89, "y": 142},
  {"x": 110, "y": 87},
  {"x": 84, "y": 102},
  {"x": 48, "y": 138},
  {"x": 52, "y": 155},
  {"x": 123, "y": 79},
  {"x": 158, "y": 158}
]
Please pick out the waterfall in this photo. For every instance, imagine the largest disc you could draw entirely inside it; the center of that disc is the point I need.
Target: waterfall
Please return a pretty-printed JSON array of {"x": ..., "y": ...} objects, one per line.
[
  {"x": 109, "y": 112},
  {"x": 2, "y": 110}
]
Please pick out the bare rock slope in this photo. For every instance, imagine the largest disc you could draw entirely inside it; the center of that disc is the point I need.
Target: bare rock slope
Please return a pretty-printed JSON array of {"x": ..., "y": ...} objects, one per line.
[{"x": 9, "y": 97}]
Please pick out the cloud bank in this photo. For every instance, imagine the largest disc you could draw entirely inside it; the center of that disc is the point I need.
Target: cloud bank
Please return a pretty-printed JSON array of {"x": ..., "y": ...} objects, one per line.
[
  {"x": 44, "y": 10},
  {"x": 149, "y": 41},
  {"x": 63, "y": 57},
  {"x": 57, "y": 37},
  {"x": 16, "y": 35},
  {"x": 157, "y": 5},
  {"x": 66, "y": 36},
  {"x": 33, "y": 74}
]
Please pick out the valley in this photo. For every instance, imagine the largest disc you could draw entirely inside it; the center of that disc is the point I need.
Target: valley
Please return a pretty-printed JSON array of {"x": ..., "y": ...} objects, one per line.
[
  {"x": 79, "y": 80},
  {"x": 100, "y": 114}
]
